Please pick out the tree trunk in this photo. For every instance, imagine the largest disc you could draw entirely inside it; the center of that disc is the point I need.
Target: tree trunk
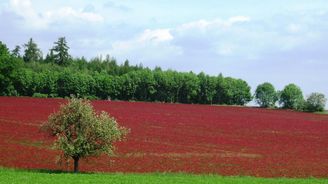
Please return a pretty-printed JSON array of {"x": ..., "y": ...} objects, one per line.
[{"x": 76, "y": 164}]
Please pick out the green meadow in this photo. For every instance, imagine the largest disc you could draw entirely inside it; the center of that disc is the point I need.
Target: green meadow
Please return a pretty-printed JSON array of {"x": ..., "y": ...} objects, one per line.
[{"x": 12, "y": 176}]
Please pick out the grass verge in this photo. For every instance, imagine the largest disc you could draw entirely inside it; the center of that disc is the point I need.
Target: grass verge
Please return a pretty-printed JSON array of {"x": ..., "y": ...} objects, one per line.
[
  {"x": 53, "y": 177},
  {"x": 323, "y": 112}
]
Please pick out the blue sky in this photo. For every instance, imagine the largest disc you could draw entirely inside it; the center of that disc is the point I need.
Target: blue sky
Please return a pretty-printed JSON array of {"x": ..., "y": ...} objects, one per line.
[{"x": 277, "y": 41}]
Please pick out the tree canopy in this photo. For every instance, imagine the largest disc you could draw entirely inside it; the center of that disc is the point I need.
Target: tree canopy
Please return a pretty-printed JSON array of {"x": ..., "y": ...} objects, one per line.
[
  {"x": 9, "y": 67},
  {"x": 292, "y": 97},
  {"x": 316, "y": 102},
  {"x": 266, "y": 95}
]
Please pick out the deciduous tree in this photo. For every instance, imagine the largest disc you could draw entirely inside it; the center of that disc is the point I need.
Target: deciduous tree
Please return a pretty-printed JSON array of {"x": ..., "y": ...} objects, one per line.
[
  {"x": 266, "y": 95},
  {"x": 292, "y": 97},
  {"x": 316, "y": 102},
  {"x": 81, "y": 132},
  {"x": 9, "y": 67}
]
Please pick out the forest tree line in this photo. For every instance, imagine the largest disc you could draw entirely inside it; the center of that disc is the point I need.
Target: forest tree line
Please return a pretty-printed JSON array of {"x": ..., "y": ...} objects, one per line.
[{"x": 24, "y": 72}]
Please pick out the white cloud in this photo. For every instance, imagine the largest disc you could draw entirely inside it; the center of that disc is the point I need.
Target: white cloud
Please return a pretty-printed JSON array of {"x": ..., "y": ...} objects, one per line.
[
  {"x": 68, "y": 13},
  {"x": 198, "y": 38},
  {"x": 184, "y": 39},
  {"x": 149, "y": 45},
  {"x": 24, "y": 9},
  {"x": 217, "y": 23},
  {"x": 200, "y": 24},
  {"x": 147, "y": 38},
  {"x": 157, "y": 35},
  {"x": 40, "y": 20}
]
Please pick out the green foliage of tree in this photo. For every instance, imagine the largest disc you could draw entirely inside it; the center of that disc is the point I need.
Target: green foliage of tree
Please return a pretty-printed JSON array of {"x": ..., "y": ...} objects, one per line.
[
  {"x": 48, "y": 81},
  {"x": 316, "y": 102},
  {"x": 188, "y": 87},
  {"x": 9, "y": 67},
  {"x": 74, "y": 83},
  {"x": 81, "y": 132},
  {"x": 233, "y": 91},
  {"x": 4, "y": 51},
  {"x": 207, "y": 89},
  {"x": 266, "y": 95},
  {"x": 292, "y": 97},
  {"x": 32, "y": 53},
  {"x": 146, "y": 85},
  {"x": 59, "y": 53},
  {"x": 129, "y": 83},
  {"x": 104, "y": 86},
  {"x": 164, "y": 86},
  {"x": 16, "y": 52},
  {"x": 24, "y": 82},
  {"x": 50, "y": 58},
  {"x": 60, "y": 75}
]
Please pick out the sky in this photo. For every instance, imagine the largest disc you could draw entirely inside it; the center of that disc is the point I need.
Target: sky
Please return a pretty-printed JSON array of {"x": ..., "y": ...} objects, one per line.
[{"x": 273, "y": 41}]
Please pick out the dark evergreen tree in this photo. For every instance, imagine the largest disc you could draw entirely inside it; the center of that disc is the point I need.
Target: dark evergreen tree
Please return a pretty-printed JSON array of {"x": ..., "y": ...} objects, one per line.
[
  {"x": 16, "y": 52},
  {"x": 32, "y": 53},
  {"x": 60, "y": 52},
  {"x": 50, "y": 57}
]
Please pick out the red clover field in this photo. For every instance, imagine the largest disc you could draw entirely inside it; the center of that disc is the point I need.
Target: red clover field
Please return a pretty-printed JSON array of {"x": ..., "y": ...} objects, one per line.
[{"x": 201, "y": 139}]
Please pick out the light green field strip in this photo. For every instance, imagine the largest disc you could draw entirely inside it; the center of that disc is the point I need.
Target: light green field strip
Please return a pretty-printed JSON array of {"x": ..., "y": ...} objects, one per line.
[{"x": 11, "y": 176}]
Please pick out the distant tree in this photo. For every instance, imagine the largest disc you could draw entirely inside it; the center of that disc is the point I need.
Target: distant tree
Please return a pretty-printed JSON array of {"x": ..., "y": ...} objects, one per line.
[
  {"x": 207, "y": 90},
  {"x": 266, "y": 95},
  {"x": 32, "y": 52},
  {"x": 125, "y": 68},
  {"x": 9, "y": 67},
  {"x": 165, "y": 90},
  {"x": 233, "y": 91},
  {"x": 4, "y": 51},
  {"x": 25, "y": 84},
  {"x": 129, "y": 84},
  {"x": 79, "y": 84},
  {"x": 47, "y": 83},
  {"x": 50, "y": 58},
  {"x": 188, "y": 88},
  {"x": 292, "y": 97},
  {"x": 219, "y": 89},
  {"x": 316, "y": 102},
  {"x": 146, "y": 88},
  {"x": 106, "y": 86},
  {"x": 96, "y": 64},
  {"x": 16, "y": 52},
  {"x": 81, "y": 132},
  {"x": 60, "y": 52}
]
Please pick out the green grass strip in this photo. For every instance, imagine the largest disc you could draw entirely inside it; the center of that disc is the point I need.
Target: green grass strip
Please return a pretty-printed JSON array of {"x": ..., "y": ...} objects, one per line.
[{"x": 11, "y": 176}]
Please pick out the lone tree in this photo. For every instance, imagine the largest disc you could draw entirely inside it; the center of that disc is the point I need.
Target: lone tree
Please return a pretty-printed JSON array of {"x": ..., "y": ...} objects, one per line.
[
  {"x": 292, "y": 97},
  {"x": 60, "y": 52},
  {"x": 266, "y": 95},
  {"x": 316, "y": 102},
  {"x": 81, "y": 132}
]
